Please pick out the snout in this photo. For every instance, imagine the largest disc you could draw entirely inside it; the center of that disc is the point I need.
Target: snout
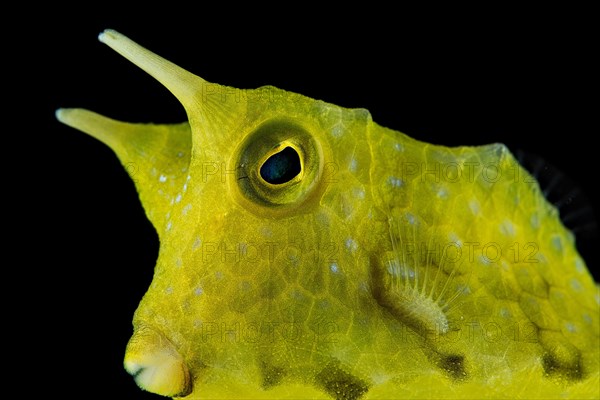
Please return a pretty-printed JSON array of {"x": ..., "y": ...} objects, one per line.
[{"x": 156, "y": 365}]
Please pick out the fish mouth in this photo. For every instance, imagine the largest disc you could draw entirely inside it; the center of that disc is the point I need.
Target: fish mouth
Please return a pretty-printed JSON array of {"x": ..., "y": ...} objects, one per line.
[{"x": 156, "y": 365}]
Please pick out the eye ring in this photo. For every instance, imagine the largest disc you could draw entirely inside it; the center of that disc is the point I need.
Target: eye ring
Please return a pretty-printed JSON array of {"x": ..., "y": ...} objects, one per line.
[{"x": 289, "y": 190}]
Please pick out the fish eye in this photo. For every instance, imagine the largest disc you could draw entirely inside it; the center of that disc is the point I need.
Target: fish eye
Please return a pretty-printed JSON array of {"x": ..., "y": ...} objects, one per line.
[
  {"x": 278, "y": 167},
  {"x": 281, "y": 167}
]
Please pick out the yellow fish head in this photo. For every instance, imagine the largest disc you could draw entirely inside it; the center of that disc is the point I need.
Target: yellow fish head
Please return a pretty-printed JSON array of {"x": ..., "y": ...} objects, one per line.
[
  {"x": 307, "y": 252},
  {"x": 257, "y": 251}
]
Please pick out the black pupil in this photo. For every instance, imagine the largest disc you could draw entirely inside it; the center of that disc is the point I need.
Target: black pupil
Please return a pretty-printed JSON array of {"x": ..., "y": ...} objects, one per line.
[{"x": 281, "y": 167}]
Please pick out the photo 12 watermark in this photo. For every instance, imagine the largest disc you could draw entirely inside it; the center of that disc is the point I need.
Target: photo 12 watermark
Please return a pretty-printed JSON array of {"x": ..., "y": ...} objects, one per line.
[{"x": 463, "y": 172}]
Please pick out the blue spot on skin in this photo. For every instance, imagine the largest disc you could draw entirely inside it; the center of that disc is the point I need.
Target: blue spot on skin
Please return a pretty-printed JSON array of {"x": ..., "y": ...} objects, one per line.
[
  {"x": 442, "y": 192},
  {"x": 337, "y": 131},
  {"x": 395, "y": 182},
  {"x": 463, "y": 289},
  {"x": 353, "y": 165},
  {"x": 534, "y": 220},
  {"x": 347, "y": 208},
  {"x": 198, "y": 291},
  {"x": 334, "y": 268},
  {"x": 196, "y": 243},
  {"x": 411, "y": 219},
  {"x": 474, "y": 206},
  {"x": 407, "y": 272},
  {"x": 455, "y": 240},
  {"x": 507, "y": 228},
  {"x": 557, "y": 243},
  {"x": 359, "y": 193},
  {"x": 541, "y": 258},
  {"x": 483, "y": 260},
  {"x": 266, "y": 232},
  {"x": 579, "y": 265},
  {"x": 351, "y": 245}
]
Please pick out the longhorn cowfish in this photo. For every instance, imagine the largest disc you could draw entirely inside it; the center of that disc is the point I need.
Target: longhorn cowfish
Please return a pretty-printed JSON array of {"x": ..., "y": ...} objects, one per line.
[{"x": 308, "y": 252}]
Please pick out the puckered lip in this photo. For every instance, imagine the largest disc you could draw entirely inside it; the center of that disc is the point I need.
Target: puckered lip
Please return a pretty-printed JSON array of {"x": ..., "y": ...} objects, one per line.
[{"x": 156, "y": 365}]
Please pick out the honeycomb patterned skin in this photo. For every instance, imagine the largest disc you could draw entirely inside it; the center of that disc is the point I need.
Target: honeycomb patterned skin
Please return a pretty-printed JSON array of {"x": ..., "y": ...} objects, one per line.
[{"x": 385, "y": 268}]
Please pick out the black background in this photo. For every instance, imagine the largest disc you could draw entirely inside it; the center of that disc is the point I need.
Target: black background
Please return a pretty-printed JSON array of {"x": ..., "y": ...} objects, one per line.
[{"x": 448, "y": 76}]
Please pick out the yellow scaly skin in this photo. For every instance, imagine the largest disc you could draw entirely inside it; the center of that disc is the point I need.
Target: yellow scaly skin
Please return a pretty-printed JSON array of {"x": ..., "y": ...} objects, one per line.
[{"x": 387, "y": 268}]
